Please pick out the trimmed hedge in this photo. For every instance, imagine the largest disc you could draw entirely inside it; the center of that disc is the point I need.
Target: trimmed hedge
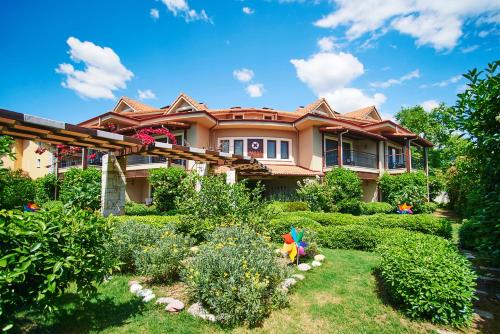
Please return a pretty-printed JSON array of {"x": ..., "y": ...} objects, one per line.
[
  {"x": 279, "y": 207},
  {"x": 376, "y": 207},
  {"x": 139, "y": 209},
  {"x": 424, "y": 223},
  {"x": 428, "y": 278},
  {"x": 158, "y": 221}
]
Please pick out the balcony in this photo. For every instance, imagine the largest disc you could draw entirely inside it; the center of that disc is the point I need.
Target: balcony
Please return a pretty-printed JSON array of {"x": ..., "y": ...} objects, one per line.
[
  {"x": 351, "y": 158},
  {"x": 134, "y": 160},
  {"x": 395, "y": 161}
]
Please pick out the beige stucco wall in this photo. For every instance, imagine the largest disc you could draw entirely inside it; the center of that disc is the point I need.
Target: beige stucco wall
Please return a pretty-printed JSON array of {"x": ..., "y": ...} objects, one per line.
[
  {"x": 251, "y": 133},
  {"x": 370, "y": 191},
  {"x": 137, "y": 189},
  {"x": 311, "y": 149},
  {"x": 26, "y": 159}
]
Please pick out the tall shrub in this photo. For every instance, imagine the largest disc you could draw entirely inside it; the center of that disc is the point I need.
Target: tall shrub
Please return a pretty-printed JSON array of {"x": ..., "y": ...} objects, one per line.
[
  {"x": 81, "y": 188},
  {"x": 43, "y": 253},
  {"x": 16, "y": 189},
  {"x": 45, "y": 188},
  {"x": 217, "y": 204},
  {"x": 344, "y": 184},
  {"x": 316, "y": 195},
  {"x": 5, "y": 148},
  {"x": 402, "y": 188},
  {"x": 166, "y": 183}
]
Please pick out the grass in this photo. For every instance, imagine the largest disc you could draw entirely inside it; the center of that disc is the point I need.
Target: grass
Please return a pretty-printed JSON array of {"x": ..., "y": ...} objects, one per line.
[{"x": 339, "y": 297}]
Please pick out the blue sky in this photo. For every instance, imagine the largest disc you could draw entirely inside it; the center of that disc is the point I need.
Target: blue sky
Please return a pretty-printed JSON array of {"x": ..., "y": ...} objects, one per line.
[{"x": 71, "y": 60}]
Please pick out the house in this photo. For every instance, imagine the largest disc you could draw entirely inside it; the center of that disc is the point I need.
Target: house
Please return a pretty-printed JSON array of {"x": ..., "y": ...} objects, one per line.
[{"x": 293, "y": 145}]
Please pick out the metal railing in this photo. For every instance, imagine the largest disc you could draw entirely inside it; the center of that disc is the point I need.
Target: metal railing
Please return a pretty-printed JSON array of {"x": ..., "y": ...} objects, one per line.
[
  {"x": 144, "y": 160},
  {"x": 395, "y": 161},
  {"x": 351, "y": 158},
  {"x": 70, "y": 161}
]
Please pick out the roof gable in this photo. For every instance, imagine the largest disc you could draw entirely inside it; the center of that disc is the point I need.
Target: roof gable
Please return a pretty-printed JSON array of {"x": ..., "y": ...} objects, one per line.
[
  {"x": 367, "y": 113},
  {"x": 126, "y": 104},
  {"x": 185, "y": 103},
  {"x": 320, "y": 106}
]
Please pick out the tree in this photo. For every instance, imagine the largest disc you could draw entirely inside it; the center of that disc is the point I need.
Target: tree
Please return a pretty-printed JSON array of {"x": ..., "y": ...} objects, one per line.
[{"x": 5, "y": 148}]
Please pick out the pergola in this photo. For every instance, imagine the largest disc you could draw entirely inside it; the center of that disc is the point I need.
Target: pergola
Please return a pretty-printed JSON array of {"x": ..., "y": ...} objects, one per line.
[{"x": 118, "y": 146}]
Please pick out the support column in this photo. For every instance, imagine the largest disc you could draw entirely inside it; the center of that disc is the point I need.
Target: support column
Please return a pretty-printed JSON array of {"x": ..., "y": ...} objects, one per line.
[
  {"x": 381, "y": 157},
  {"x": 113, "y": 184},
  {"x": 426, "y": 170},
  {"x": 85, "y": 156},
  {"x": 408, "y": 155},
  {"x": 340, "y": 153},
  {"x": 201, "y": 170},
  {"x": 231, "y": 176}
]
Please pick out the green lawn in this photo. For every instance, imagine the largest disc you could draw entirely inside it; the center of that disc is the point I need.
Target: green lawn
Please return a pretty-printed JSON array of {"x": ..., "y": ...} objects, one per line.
[{"x": 339, "y": 297}]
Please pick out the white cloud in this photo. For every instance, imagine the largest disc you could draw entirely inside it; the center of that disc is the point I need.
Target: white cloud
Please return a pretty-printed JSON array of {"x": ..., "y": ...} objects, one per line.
[
  {"x": 181, "y": 8},
  {"x": 444, "y": 83},
  {"x": 146, "y": 94},
  {"x": 469, "y": 48},
  {"x": 103, "y": 71},
  {"x": 326, "y": 43},
  {"x": 154, "y": 13},
  {"x": 328, "y": 74},
  {"x": 429, "y": 105},
  {"x": 391, "y": 82},
  {"x": 248, "y": 10},
  {"x": 255, "y": 90},
  {"x": 430, "y": 22},
  {"x": 243, "y": 75}
]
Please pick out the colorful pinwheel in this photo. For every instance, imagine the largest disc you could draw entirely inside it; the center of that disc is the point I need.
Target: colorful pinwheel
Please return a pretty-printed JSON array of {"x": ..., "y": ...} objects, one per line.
[
  {"x": 31, "y": 207},
  {"x": 405, "y": 209},
  {"x": 293, "y": 244}
]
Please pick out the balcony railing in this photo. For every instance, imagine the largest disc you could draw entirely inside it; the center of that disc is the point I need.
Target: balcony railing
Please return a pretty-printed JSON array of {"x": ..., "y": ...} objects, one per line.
[
  {"x": 144, "y": 160},
  {"x": 71, "y": 161},
  {"x": 395, "y": 161},
  {"x": 351, "y": 158}
]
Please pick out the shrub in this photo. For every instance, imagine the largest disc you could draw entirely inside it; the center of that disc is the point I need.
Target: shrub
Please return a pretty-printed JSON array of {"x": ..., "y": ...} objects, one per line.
[
  {"x": 424, "y": 223},
  {"x": 81, "y": 188},
  {"x": 350, "y": 205},
  {"x": 43, "y": 253},
  {"x": 376, "y": 207},
  {"x": 279, "y": 226},
  {"x": 130, "y": 237},
  {"x": 428, "y": 277},
  {"x": 236, "y": 277},
  {"x": 428, "y": 207},
  {"x": 53, "y": 205},
  {"x": 166, "y": 186},
  {"x": 469, "y": 234},
  {"x": 162, "y": 262},
  {"x": 156, "y": 221},
  {"x": 218, "y": 204},
  {"x": 358, "y": 237},
  {"x": 139, "y": 209},
  {"x": 16, "y": 189},
  {"x": 280, "y": 207},
  {"x": 344, "y": 184},
  {"x": 45, "y": 188},
  {"x": 402, "y": 188},
  {"x": 316, "y": 195}
]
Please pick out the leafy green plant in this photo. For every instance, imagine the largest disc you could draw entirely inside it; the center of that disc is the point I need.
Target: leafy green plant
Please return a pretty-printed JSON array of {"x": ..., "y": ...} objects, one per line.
[
  {"x": 428, "y": 278},
  {"x": 166, "y": 186},
  {"x": 81, "y": 188},
  {"x": 428, "y": 207},
  {"x": 53, "y": 205},
  {"x": 16, "y": 189},
  {"x": 344, "y": 184},
  {"x": 45, "y": 188},
  {"x": 156, "y": 221},
  {"x": 5, "y": 148},
  {"x": 316, "y": 195},
  {"x": 139, "y": 209},
  {"x": 402, "y": 188},
  {"x": 279, "y": 207},
  {"x": 376, "y": 207},
  {"x": 43, "y": 253},
  {"x": 236, "y": 277},
  {"x": 350, "y": 205},
  {"x": 358, "y": 237},
  {"x": 162, "y": 262},
  {"x": 218, "y": 204}
]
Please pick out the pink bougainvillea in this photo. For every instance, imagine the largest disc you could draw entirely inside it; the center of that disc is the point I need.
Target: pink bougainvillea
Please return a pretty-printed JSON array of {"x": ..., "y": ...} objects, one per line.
[{"x": 146, "y": 135}]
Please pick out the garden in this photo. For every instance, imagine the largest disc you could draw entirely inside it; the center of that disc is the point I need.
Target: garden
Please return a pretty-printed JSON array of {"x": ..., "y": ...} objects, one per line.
[{"x": 223, "y": 258}]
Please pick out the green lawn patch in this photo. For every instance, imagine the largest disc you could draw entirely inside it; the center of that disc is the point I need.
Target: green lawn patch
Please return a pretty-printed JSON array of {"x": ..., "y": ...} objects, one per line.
[{"x": 339, "y": 297}]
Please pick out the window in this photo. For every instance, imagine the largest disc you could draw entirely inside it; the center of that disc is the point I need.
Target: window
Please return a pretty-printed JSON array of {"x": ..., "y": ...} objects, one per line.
[
  {"x": 271, "y": 149},
  {"x": 38, "y": 162},
  {"x": 284, "y": 150},
  {"x": 347, "y": 153},
  {"x": 238, "y": 147},
  {"x": 269, "y": 118},
  {"x": 238, "y": 116},
  {"x": 224, "y": 146},
  {"x": 331, "y": 154}
]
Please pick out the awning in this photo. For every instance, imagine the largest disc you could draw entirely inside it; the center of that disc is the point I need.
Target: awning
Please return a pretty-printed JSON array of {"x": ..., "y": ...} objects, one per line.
[{"x": 337, "y": 129}]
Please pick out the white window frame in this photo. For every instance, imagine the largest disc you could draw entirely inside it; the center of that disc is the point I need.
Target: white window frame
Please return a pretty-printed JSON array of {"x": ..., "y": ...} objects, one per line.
[
  {"x": 265, "y": 139},
  {"x": 175, "y": 133}
]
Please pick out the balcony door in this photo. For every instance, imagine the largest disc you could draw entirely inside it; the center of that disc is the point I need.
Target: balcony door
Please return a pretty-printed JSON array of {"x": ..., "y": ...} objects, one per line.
[{"x": 331, "y": 157}]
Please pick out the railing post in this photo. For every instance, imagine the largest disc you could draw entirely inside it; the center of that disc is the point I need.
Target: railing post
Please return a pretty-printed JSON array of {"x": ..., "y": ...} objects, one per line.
[
  {"x": 340, "y": 155},
  {"x": 408, "y": 155},
  {"x": 426, "y": 170},
  {"x": 85, "y": 154}
]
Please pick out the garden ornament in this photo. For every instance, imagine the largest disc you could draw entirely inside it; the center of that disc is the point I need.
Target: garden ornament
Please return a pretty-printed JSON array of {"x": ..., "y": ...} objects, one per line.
[
  {"x": 405, "y": 209},
  {"x": 31, "y": 207},
  {"x": 293, "y": 244}
]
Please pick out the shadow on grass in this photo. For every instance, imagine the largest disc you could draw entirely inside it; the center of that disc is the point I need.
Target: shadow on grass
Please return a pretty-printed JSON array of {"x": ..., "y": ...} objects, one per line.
[{"x": 76, "y": 315}]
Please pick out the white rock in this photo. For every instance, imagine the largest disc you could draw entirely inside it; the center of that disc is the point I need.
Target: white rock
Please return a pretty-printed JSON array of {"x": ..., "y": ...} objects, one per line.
[
  {"x": 148, "y": 298},
  {"x": 319, "y": 257},
  {"x": 316, "y": 263},
  {"x": 304, "y": 267},
  {"x": 299, "y": 277},
  {"x": 288, "y": 283},
  {"x": 134, "y": 288},
  {"x": 144, "y": 293},
  {"x": 175, "y": 306},
  {"x": 165, "y": 300},
  {"x": 197, "y": 310}
]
